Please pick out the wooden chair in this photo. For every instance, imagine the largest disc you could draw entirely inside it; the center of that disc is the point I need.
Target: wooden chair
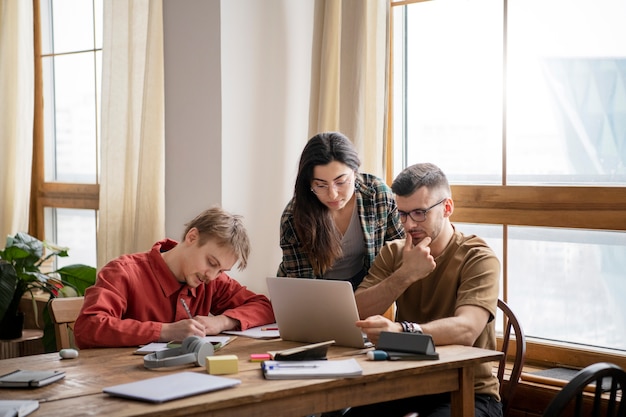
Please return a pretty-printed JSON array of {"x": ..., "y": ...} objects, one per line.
[
  {"x": 511, "y": 324},
  {"x": 391, "y": 312},
  {"x": 64, "y": 311},
  {"x": 570, "y": 398}
]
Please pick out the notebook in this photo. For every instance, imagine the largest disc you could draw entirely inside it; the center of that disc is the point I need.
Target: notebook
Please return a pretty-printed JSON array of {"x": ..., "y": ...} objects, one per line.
[
  {"x": 343, "y": 368},
  {"x": 30, "y": 379},
  {"x": 316, "y": 310},
  {"x": 171, "y": 387},
  {"x": 20, "y": 408}
]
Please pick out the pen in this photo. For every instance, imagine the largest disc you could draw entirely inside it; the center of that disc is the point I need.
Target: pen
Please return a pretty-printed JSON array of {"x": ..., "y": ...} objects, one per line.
[
  {"x": 186, "y": 308},
  {"x": 264, "y": 329}
]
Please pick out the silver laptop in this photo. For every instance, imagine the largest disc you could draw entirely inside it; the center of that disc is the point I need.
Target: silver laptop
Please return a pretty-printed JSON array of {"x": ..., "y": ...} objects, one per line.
[
  {"x": 316, "y": 310},
  {"x": 171, "y": 387}
]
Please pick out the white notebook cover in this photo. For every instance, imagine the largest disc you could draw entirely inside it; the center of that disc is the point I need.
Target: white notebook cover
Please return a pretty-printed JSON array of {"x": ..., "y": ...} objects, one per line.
[
  {"x": 344, "y": 368},
  {"x": 171, "y": 387}
]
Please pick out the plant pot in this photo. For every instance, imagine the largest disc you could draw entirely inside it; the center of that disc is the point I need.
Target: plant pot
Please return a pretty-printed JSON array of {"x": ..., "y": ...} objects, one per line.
[{"x": 12, "y": 326}]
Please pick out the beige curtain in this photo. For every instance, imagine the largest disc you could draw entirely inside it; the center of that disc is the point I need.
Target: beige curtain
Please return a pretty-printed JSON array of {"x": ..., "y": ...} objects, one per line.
[
  {"x": 350, "y": 75},
  {"x": 16, "y": 114},
  {"x": 132, "y": 182}
]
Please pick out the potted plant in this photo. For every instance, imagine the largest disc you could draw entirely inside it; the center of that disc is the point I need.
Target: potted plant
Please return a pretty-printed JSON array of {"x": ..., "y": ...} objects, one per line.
[{"x": 20, "y": 273}]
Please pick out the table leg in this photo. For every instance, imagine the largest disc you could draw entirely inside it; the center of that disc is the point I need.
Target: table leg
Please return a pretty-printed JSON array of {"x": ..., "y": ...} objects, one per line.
[{"x": 462, "y": 401}]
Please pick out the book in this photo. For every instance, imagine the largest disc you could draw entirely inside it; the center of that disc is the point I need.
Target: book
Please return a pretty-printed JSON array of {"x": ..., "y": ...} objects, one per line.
[
  {"x": 315, "y": 351},
  {"x": 171, "y": 387},
  {"x": 19, "y": 408},
  {"x": 343, "y": 368},
  {"x": 29, "y": 379}
]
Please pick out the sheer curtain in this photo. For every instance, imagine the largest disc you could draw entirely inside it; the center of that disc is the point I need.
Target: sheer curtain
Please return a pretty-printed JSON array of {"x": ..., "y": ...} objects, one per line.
[
  {"x": 16, "y": 114},
  {"x": 350, "y": 82},
  {"x": 132, "y": 202}
]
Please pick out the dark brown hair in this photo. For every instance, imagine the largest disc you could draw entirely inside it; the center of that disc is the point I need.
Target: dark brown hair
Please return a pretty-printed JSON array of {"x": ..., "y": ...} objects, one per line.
[
  {"x": 420, "y": 175},
  {"x": 313, "y": 221}
]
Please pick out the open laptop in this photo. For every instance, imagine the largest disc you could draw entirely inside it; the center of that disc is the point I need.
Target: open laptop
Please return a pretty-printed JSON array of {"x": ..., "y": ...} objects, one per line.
[{"x": 316, "y": 310}]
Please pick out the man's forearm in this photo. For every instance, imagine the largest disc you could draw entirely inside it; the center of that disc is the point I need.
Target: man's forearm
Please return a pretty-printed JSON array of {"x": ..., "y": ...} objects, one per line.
[{"x": 377, "y": 299}]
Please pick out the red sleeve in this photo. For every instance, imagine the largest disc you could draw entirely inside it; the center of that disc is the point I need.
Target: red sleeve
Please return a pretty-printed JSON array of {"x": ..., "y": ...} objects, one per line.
[
  {"x": 103, "y": 320},
  {"x": 237, "y": 302}
]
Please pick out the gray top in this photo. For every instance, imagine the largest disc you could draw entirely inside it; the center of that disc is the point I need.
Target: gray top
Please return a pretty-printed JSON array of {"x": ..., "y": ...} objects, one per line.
[{"x": 354, "y": 250}]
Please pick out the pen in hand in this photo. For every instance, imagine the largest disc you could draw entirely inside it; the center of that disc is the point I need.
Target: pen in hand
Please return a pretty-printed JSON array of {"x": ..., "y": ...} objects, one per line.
[{"x": 186, "y": 308}]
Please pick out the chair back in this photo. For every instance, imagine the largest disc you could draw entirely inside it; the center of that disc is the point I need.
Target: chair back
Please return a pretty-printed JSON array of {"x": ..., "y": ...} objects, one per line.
[
  {"x": 64, "y": 311},
  {"x": 569, "y": 401},
  {"x": 511, "y": 325}
]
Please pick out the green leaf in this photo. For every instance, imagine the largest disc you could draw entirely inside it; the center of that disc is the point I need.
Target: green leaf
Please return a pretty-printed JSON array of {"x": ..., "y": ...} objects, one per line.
[
  {"x": 23, "y": 251},
  {"x": 28, "y": 243},
  {"x": 20, "y": 272},
  {"x": 79, "y": 276},
  {"x": 8, "y": 285},
  {"x": 49, "y": 337}
]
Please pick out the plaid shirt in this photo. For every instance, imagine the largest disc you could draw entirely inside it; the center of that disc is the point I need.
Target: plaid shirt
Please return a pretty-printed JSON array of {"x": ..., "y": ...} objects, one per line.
[{"x": 379, "y": 220}]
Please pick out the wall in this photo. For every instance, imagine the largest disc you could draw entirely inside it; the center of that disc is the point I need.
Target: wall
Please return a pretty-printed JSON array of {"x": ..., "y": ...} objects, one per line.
[{"x": 237, "y": 81}]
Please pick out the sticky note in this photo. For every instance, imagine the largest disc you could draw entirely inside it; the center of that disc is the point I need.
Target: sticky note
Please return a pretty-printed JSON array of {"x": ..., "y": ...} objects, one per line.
[
  {"x": 222, "y": 364},
  {"x": 260, "y": 357}
]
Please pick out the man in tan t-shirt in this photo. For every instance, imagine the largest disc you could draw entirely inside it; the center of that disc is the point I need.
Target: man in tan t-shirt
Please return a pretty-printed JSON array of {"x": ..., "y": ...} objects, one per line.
[{"x": 444, "y": 284}]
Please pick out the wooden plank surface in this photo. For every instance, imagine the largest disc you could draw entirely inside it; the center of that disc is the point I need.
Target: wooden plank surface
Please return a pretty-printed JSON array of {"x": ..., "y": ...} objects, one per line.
[{"x": 80, "y": 392}]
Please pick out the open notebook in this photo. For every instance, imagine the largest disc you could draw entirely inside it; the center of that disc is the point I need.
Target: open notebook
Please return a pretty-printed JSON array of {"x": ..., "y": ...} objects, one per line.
[{"x": 316, "y": 310}]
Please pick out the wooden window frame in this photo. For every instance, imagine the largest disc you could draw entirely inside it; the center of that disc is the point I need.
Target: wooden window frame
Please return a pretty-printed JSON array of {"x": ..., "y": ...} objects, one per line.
[
  {"x": 539, "y": 206},
  {"x": 50, "y": 194}
]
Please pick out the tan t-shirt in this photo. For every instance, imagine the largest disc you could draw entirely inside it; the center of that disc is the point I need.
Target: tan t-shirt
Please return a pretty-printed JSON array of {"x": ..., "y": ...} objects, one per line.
[{"x": 467, "y": 273}]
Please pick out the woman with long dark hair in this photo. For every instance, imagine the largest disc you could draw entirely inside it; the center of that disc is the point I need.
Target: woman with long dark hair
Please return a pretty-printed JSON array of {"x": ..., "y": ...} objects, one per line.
[{"x": 338, "y": 218}]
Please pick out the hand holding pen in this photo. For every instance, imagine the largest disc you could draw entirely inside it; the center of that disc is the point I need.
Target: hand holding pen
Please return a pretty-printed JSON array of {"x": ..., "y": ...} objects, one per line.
[{"x": 178, "y": 330}]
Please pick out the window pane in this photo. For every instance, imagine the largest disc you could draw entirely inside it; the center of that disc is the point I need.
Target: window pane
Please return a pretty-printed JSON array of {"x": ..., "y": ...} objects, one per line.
[
  {"x": 566, "y": 89},
  {"x": 453, "y": 87},
  {"x": 569, "y": 285},
  {"x": 71, "y": 28},
  {"x": 70, "y": 118},
  {"x": 98, "y": 10},
  {"x": 492, "y": 234},
  {"x": 76, "y": 230}
]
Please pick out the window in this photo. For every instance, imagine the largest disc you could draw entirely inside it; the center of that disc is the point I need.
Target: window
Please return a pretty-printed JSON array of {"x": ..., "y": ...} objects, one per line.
[
  {"x": 523, "y": 105},
  {"x": 65, "y": 178}
]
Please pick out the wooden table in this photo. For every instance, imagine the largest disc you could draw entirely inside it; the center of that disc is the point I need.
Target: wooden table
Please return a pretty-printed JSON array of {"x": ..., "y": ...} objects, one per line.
[{"x": 80, "y": 392}]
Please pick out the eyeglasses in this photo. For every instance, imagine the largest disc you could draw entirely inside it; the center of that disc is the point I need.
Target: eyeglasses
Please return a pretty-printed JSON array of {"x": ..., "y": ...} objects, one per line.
[
  {"x": 418, "y": 215},
  {"x": 339, "y": 186}
]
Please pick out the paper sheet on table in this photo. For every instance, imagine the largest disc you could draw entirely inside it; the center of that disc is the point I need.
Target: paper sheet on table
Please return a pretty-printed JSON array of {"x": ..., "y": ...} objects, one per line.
[
  {"x": 220, "y": 341},
  {"x": 267, "y": 331}
]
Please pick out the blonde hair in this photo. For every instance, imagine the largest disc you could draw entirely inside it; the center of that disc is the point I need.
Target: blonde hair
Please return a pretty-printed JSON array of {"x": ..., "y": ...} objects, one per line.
[{"x": 225, "y": 228}]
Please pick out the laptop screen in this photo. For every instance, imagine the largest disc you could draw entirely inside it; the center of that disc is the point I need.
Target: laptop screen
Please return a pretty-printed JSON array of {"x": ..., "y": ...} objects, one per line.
[{"x": 315, "y": 310}]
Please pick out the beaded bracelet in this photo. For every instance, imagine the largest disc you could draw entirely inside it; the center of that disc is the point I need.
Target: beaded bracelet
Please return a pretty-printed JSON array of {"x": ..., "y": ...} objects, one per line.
[{"x": 408, "y": 327}]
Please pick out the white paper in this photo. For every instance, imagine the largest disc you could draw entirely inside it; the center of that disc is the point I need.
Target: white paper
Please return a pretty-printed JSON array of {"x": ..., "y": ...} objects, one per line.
[
  {"x": 158, "y": 346},
  {"x": 267, "y": 331}
]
